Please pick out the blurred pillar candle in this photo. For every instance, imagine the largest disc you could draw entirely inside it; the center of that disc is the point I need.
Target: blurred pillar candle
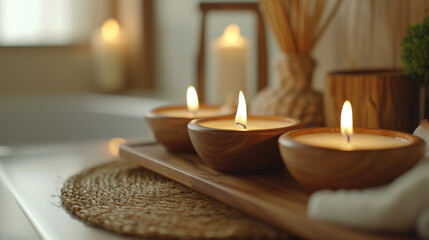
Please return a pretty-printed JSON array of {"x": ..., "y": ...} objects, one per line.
[
  {"x": 230, "y": 60},
  {"x": 108, "y": 54}
]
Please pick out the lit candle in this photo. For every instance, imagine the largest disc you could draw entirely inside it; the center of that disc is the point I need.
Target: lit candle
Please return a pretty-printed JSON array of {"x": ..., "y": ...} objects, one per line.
[
  {"x": 347, "y": 139},
  {"x": 242, "y": 123},
  {"x": 347, "y": 121},
  {"x": 335, "y": 158},
  {"x": 240, "y": 144},
  {"x": 108, "y": 54},
  {"x": 230, "y": 54},
  {"x": 169, "y": 123},
  {"x": 192, "y": 109}
]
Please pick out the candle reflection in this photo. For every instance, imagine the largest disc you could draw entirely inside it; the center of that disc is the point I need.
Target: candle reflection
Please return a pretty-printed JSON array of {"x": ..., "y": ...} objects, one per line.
[{"x": 114, "y": 145}]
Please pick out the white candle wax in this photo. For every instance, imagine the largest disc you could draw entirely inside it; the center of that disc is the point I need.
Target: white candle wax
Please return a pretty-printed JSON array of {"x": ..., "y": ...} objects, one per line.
[
  {"x": 358, "y": 141},
  {"x": 252, "y": 124},
  {"x": 184, "y": 113},
  {"x": 108, "y": 54},
  {"x": 230, "y": 54}
]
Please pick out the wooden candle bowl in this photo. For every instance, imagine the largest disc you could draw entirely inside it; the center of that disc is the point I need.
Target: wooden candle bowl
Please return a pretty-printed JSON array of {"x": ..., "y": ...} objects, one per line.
[
  {"x": 233, "y": 151},
  {"x": 172, "y": 132},
  {"x": 325, "y": 168}
]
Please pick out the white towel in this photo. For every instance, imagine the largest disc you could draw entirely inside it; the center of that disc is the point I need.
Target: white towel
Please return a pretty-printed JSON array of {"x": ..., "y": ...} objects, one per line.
[{"x": 401, "y": 206}]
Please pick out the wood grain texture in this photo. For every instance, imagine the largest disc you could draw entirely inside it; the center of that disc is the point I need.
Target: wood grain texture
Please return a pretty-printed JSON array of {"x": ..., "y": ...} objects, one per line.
[
  {"x": 234, "y": 151},
  {"x": 275, "y": 197},
  {"x": 366, "y": 34},
  {"x": 325, "y": 168},
  {"x": 370, "y": 31},
  {"x": 380, "y": 99}
]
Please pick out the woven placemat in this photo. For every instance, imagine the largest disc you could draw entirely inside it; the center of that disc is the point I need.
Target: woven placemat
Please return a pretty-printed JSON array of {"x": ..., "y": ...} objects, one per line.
[{"x": 125, "y": 198}]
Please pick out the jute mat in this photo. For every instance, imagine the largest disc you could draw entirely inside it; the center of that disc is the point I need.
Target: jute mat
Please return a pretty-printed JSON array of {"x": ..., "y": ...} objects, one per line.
[{"x": 125, "y": 198}]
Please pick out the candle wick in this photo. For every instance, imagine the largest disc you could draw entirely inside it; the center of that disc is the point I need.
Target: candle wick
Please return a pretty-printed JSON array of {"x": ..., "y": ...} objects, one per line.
[
  {"x": 244, "y": 126},
  {"x": 348, "y": 138}
]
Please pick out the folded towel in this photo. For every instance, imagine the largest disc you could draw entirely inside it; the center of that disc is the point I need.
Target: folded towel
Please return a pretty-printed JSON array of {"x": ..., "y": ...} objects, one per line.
[{"x": 401, "y": 206}]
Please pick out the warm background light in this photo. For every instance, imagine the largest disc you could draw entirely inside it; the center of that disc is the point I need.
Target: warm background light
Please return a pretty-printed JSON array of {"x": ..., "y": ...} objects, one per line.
[
  {"x": 192, "y": 100},
  {"x": 231, "y": 34},
  {"x": 110, "y": 29},
  {"x": 241, "y": 116},
  {"x": 114, "y": 145},
  {"x": 347, "y": 119}
]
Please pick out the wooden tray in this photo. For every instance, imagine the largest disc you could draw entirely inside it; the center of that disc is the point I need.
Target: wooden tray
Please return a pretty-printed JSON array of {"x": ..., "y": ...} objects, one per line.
[{"x": 275, "y": 197}]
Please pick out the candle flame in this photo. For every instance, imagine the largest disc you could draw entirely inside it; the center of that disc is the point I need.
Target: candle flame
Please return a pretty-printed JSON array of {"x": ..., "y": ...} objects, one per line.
[
  {"x": 114, "y": 145},
  {"x": 241, "y": 116},
  {"x": 347, "y": 120},
  {"x": 110, "y": 29},
  {"x": 231, "y": 34},
  {"x": 192, "y": 100}
]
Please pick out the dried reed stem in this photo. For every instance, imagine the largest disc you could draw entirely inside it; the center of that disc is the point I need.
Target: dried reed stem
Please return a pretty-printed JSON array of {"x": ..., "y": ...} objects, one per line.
[{"x": 297, "y": 24}]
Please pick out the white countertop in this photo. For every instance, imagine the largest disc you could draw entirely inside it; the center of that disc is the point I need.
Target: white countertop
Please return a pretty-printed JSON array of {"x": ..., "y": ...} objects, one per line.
[
  {"x": 45, "y": 140},
  {"x": 35, "y": 176}
]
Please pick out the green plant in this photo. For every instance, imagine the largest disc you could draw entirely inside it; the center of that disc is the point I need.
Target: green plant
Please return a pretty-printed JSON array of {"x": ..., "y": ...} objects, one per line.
[{"x": 415, "y": 52}]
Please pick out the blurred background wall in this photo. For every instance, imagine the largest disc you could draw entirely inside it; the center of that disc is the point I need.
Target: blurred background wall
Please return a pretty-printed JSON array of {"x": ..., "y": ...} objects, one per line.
[{"x": 365, "y": 33}]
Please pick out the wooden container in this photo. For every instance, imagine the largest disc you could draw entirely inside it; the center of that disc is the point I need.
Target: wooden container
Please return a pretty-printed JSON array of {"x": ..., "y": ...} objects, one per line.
[
  {"x": 234, "y": 151},
  {"x": 383, "y": 99},
  {"x": 328, "y": 168},
  {"x": 171, "y": 131}
]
